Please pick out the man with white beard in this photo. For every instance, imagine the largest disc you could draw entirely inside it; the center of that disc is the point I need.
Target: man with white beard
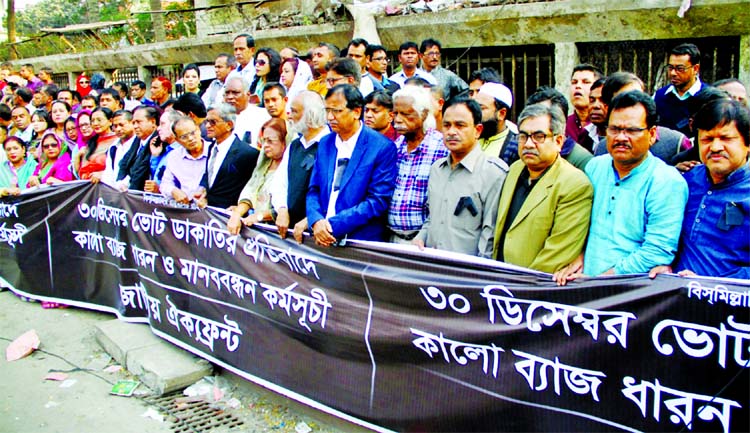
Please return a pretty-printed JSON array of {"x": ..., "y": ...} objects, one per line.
[{"x": 288, "y": 190}]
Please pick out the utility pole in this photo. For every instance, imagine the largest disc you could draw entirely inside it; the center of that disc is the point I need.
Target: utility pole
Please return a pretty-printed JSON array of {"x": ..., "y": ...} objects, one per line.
[
  {"x": 158, "y": 21},
  {"x": 11, "y": 26}
]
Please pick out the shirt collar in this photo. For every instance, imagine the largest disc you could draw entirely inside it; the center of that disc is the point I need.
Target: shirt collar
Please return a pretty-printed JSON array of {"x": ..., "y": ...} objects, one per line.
[
  {"x": 186, "y": 155},
  {"x": 737, "y": 176},
  {"x": 323, "y": 132},
  {"x": 471, "y": 160},
  {"x": 353, "y": 139},
  {"x": 637, "y": 170},
  {"x": 695, "y": 88},
  {"x": 227, "y": 141}
]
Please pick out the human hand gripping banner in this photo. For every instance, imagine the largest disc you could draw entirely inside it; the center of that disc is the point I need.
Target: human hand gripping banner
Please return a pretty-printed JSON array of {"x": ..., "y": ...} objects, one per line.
[{"x": 391, "y": 338}]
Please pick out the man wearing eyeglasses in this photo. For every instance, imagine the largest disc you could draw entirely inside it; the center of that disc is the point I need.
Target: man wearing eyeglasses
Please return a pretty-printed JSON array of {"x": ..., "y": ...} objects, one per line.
[
  {"x": 545, "y": 204},
  {"x": 671, "y": 101},
  {"x": 639, "y": 200},
  {"x": 230, "y": 161},
  {"x": 347, "y": 71},
  {"x": 451, "y": 83},
  {"x": 186, "y": 164},
  {"x": 353, "y": 177},
  {"x": 377, "y": 66}
]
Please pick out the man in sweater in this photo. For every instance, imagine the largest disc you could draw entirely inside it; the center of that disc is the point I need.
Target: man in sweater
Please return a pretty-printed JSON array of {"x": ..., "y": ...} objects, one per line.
[{"x": 683, "y": 72}]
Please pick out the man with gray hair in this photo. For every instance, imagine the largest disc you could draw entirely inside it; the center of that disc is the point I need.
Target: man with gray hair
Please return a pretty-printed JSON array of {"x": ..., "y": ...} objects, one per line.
[
  {"x": 230, "y": 161},
  {"x": 418, "y": 147},
  {"x": 250, "y": 117},
  {"x": 288, "y": 189},
  {"x": 545, "y": 205}
]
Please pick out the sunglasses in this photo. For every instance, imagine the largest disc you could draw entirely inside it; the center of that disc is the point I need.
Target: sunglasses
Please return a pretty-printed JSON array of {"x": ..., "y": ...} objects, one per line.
[
  {"x": 260, "y": 62},
  {"x": 50, "y": 146}
]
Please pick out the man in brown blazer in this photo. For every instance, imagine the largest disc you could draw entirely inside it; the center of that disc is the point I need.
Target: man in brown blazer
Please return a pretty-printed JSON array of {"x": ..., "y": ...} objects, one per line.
[{"x": 545, "y": 205}]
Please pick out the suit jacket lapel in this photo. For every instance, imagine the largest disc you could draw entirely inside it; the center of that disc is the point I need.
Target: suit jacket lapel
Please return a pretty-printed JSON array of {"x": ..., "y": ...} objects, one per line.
[{"x": 538, "y": 194}]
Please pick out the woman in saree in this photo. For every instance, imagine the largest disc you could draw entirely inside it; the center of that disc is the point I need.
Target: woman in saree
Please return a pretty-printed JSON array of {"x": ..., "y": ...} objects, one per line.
[
  {"x": 15, "y": 172},
  {"x": 255, "y": 195},
  {"x": 94, "y": 158},
  {"x": 54, "y": 166}
]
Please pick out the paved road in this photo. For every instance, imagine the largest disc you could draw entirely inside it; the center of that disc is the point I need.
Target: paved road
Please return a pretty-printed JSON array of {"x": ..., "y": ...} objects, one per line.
[{"x": 28, "y": 403}]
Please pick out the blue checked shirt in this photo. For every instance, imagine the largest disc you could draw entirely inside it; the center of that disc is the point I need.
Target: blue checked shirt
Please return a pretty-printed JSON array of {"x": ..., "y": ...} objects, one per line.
[{"x": 408, "y": 209}]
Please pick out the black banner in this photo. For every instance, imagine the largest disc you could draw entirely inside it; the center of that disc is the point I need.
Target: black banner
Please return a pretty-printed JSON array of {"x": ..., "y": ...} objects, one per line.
[{"x": 389, "y": 337}]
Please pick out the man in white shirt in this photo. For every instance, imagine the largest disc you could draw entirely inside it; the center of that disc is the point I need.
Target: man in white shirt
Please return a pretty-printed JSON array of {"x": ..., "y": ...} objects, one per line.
[
  {"x": 408, "y": 56},
  {"x": 223, "y": 66},
  {"x": 250, "y": 118},
  {"x": 244, "y": 52},
  {"x": 230, "y": 162},
  {"x": 122, "y": 126},
  {"x": 289, "y": 187}
]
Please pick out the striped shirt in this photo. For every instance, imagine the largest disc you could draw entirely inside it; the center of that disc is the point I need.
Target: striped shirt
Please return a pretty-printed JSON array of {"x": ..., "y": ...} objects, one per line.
[{"x": 408, "y": 209}]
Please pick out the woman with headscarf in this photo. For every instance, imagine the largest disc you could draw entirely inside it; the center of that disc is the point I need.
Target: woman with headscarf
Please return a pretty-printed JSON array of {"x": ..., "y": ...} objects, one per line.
[
  {"x": 54, "y": 166},
  {"x": 256, "y": 195},
  {"x": 15, "y": 172},
  {"x": 295, "y": 74},
  {"x": 85, "y": 131},
  {"x": 83, "y": 85},
  {"x": 93, "y": 160},
  {"x": 267, "y": 62}
]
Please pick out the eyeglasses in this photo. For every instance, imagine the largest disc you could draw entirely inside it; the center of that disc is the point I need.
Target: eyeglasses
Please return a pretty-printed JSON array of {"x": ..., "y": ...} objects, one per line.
[
  {"x": 630, "y": 131},
  {"x": 432, "y": 54},
  {"x": 333, "y": 81},
  {"x": 679, "y": 68},
  {"x": 186, "y": 136},
  {"x": 536, "y": 137},
  {"x": 381, "y": 59},
  {"x": 50, "y": 146},
  {"x": 260, "y": 62},
  {"x": 335, "y": 111},
  {"x": 212, "y": 122},
  {"x": 84, "y": 125}
]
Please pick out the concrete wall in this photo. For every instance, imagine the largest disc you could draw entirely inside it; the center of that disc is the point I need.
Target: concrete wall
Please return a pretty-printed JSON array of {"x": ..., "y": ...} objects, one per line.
[{"x": 560, "y": 22}]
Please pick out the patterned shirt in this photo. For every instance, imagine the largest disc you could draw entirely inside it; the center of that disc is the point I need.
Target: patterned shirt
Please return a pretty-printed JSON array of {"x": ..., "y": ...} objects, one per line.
[{"x": 408, "y": 209}]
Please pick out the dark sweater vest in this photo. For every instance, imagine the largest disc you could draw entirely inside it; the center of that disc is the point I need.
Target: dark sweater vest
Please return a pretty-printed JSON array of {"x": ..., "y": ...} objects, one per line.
[
  {"x": 673, "y": 112},
  {"x": 301, "y": 162}
]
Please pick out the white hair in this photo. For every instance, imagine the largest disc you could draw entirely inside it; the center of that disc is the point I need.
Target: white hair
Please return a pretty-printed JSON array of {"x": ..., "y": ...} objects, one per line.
[{"x": 421, "y": 101}]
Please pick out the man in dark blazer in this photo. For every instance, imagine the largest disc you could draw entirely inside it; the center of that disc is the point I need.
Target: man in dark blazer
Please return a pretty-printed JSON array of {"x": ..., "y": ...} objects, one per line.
[
  {"x": 230, "y": 161},
  {"x": 353, "y": 177},
  {"x": 135, "y": 166}
]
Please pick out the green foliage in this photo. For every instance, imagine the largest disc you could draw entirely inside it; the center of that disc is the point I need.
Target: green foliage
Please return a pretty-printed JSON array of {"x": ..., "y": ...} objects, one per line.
[{"x": 61, "y": 13}]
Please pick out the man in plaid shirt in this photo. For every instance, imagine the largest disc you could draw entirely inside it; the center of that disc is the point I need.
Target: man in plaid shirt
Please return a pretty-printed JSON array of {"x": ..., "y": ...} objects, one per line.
[{"x": 419, "y": 146}]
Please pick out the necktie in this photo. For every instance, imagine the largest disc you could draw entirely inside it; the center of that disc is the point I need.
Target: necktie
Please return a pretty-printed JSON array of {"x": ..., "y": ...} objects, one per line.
[
  {"x": 341, "y": 165},
  {"x": 212, "y": 163}
]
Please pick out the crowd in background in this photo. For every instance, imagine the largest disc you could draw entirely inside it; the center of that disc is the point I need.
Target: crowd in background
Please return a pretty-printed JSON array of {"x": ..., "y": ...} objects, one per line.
[{"x": 603, "y": 180}]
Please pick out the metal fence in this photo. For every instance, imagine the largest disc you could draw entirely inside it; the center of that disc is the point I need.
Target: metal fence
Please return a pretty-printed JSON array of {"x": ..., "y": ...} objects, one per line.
[
  {"x": 523, "y": 68},
  {"x": 648, "y": 59}
]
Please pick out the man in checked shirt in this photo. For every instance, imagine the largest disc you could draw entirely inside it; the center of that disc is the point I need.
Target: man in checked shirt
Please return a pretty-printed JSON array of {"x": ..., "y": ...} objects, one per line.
[{"x": 419, "y": 146}]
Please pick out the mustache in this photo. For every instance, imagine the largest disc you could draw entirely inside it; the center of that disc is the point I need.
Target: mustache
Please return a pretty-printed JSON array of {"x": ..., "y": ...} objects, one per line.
[
  {"x": 721, "y": 153},
  {"x": 530, "y": 152}
]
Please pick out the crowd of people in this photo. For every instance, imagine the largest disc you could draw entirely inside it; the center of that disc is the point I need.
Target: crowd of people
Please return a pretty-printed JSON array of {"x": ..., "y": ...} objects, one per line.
[{"x": 324, "y": 141}]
